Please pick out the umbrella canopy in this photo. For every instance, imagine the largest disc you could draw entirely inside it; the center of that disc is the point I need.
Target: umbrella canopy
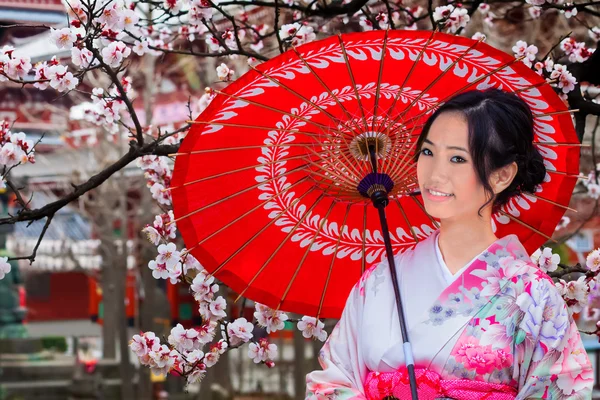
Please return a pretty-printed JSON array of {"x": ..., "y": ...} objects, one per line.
[{"x": 266, "y": 185}]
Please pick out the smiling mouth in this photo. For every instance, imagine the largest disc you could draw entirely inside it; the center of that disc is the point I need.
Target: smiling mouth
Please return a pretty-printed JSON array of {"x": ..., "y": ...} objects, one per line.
[{"x": 439, "y": 194}]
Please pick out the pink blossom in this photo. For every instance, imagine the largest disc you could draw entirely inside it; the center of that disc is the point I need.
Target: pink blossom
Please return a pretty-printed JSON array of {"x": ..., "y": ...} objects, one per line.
[
  {"x": 217, "y": 308},
  {"x": 203, "y": 287},
  {"x": 182, "y": 339},
  {"x": 206, "y": 332},
  {"x": 115, "y": 53},
  {"x": 81, "y": 57},
  {"x": 521, "y": 49},
  {"x": 163, "y": 359},
  {"x": 239, "y": 331},
  {"x": 18, "y": 67},
  {"x": 269, "y": 318},
  {"x": 262, "y": 351},
  {"x": 110, "y": 16},
  {"x": 159, "y": 271}
]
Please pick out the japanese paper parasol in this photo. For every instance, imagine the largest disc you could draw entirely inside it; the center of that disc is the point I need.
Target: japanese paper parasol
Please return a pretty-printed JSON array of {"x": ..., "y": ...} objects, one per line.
[{"x": 273, "y": 186}]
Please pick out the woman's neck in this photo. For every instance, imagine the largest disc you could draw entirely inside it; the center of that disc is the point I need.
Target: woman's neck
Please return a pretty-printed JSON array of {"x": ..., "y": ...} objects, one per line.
[{"x": 460, "y": 241}]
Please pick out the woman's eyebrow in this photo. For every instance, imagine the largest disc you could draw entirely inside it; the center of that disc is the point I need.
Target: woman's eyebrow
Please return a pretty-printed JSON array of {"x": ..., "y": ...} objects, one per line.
[{"x": 448, "y": 147}]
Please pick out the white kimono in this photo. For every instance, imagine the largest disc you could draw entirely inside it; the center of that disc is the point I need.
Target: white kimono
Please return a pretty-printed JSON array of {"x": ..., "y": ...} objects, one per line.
[{"x": 498, "y": 326}]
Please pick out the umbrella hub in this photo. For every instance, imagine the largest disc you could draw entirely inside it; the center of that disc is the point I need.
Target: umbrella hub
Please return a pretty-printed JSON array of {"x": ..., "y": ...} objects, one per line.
[
  {"x": 361, "y": 144},
  {"x": 376, "y": 186}
]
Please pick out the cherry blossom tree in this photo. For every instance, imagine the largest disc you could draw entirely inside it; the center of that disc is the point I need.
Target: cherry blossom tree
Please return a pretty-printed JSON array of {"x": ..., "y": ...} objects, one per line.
[{"x": 109, "y": 37}]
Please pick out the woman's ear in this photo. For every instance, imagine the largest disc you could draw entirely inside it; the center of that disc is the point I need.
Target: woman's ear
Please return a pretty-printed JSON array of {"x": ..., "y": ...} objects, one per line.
[{"x": 503, "y": 177}]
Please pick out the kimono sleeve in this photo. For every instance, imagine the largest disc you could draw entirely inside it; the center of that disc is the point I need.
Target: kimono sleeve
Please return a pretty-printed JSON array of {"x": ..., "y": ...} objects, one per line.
[
  {"x": 344, "y": 370},
  {"x": 551, "y": 361}
]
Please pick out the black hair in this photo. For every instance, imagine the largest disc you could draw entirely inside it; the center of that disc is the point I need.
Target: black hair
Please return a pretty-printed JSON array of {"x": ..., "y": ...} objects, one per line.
[{"x": 500, "y": 132}]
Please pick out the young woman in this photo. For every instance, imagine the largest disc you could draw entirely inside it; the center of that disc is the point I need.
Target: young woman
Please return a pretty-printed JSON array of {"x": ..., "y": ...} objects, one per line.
[{"x": 483, "y": 320}]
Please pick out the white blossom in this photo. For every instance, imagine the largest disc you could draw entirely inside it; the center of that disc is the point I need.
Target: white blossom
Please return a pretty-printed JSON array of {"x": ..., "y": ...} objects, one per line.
[
  {"x": 528, "y": 51},
  {"x": 4, "y": 267},
  {"x": 217, "y": 307},
  {"x": 163, "y": 359},
  {"x": 535, "y": 12},
  {"x": 182, "y": 339},
  {"x": 115, "y": 53},
  {"x": 168, "y": 254},
  {"x": 569, "y": 11},
  {"x": 262, "y": 351},
  {"x": 566, "y": 81},
  {"x": 546, "y": 260},
  {"x": 592, "y": 261},
  {"x": 81, "y": 57},
  {"x": 224, "y": 73},
  {"x": 203, "y": 287},
  {"x": 239, "y": 331},
  {"x": 311, "y": 327},
  {"x": 479, "y": 36},
  {"x": 159, "y": 271},
  {"x": 63, "y": 38},
  {"x": 271, "y": 319},
  {"x": 140, "y": 47},
  {"x": 297, "y": 34}
]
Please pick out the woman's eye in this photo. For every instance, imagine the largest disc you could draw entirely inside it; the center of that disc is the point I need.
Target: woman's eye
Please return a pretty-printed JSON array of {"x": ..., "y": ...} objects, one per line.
[
  {"x": 424, "y": 150},
  {"x": 459, "y": 158}
]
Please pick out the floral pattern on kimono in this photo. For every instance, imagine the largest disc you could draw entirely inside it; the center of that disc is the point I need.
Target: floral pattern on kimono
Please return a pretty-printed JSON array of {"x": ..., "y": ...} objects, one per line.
[{"x": 501, "y": 321}]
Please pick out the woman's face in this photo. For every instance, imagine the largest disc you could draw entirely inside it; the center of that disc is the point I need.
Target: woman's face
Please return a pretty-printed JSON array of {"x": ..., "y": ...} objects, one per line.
[{"x": 445, "y": 165}]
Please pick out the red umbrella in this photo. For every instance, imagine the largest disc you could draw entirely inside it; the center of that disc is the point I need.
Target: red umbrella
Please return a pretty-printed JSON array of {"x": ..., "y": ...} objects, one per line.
[{"x": 266, "y": 184}]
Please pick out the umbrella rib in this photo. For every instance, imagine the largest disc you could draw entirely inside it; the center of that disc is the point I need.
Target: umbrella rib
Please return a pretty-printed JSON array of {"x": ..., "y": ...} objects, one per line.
[
  {"x": 258, "y": 146},
  {"x": 397, "y": 169},
  {"x": 344, "y": 180},
  {"x": 297, "y": 169},
  {"x": 550, "y": 201},
  {"x": 287, "y": 289},
  {"x": 486, "y": 75},
  {"x": 364, "y": 239},
  {"x": 567, "y": 174},
  {"x": 295, "y": 93},
  {"x": 407, "y": 138},
  {"x": 379, "y": 77},
  {"x": 242, "y": 247},
  {"x": 535, "y": 85},
  {"x": 308, "y": 121},
  {"x": 527, "y": 226},
  {"x": 435, "y": 223},
  {"x": 406, "y": 220},
  {"x": 536, "y": 115},
  {"x": 562, "y": 144},
  {"x": 410, "y": 72},
  {"x": 283, "y": 242},
  {"x": 335, "y": 251},
  {"x": 351, "y": 74},
  {"x": 206, "y": 178},
  {"x": 440, "y": 76},
  {"x": 266, "y": 128},
  {"x": 260, "y": 205},
  {"x": 354, "y": 180},
  {"x": 314, "y": 73},
  {"x": 356, "y": 174}
]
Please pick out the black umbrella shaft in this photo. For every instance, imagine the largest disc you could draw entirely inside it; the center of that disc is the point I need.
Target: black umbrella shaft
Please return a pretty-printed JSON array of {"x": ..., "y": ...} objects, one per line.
[
  {"x": 380, "y": 201},
  {"x": 390, "y": 256}
]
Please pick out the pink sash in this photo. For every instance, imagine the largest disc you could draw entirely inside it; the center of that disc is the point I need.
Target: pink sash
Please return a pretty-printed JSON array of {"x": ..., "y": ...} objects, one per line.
[{"x": 379, "y": 385}]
